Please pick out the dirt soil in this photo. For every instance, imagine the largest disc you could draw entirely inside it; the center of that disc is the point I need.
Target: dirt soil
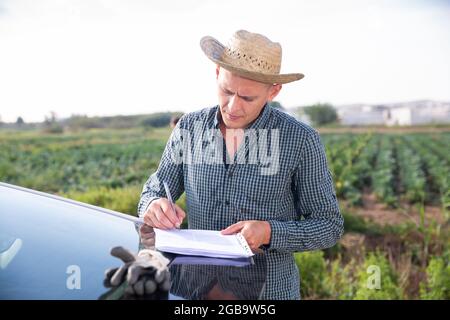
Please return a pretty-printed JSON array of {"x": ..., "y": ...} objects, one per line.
[{"x": 383, "y": 215}]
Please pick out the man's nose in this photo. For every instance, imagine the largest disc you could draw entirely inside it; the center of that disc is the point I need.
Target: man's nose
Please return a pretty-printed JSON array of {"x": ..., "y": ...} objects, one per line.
[{"x": 234, "y": 105}]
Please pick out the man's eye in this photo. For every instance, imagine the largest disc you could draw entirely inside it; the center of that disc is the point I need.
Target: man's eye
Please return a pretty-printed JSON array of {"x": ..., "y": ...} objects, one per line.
[{"x": 248, "y": 99}]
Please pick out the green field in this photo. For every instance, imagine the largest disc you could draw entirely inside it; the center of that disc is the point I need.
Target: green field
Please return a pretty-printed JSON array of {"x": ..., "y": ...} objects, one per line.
[{"x": 393, "y": 189}]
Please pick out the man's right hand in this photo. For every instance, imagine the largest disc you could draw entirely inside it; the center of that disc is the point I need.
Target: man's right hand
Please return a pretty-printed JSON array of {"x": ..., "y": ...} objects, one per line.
[{"x": 160, "y": 215}]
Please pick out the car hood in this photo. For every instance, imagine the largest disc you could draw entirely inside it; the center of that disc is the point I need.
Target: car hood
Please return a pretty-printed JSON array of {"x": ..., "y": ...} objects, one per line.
[{"x": 55, "y": 248}]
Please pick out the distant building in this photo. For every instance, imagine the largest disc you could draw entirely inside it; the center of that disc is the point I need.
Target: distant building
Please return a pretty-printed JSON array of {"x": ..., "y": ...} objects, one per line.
[
  {"x": 299, "y": 115},
  {"x": 401, "y": 114},
  {"x": 361, "y": 115},
  {"x": 420, "y": 112}
]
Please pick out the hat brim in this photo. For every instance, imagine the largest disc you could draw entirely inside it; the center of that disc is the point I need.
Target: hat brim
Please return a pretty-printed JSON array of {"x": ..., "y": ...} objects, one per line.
[{"x": 213, "y": 49}]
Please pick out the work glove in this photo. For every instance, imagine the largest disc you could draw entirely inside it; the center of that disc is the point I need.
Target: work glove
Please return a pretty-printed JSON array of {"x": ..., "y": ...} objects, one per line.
[{"x": 145, "y": 274}]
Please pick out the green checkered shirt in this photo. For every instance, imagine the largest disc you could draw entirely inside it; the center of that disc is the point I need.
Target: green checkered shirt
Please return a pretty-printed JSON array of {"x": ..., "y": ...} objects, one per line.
[{"x": 285, "y": 181}]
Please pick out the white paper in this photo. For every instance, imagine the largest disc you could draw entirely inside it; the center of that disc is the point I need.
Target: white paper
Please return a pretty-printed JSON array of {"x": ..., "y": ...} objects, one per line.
[{"x": 202, "y": 243}]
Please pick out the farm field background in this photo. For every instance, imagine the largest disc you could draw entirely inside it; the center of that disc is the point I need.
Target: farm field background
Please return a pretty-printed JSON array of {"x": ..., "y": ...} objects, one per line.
[{"x": 393, "y": 188}]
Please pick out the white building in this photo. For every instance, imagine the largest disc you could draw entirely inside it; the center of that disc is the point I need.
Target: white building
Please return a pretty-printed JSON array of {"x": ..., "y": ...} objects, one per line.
[
  {"x": 402, "y": 114},
  {"x": 416, "y": 113},
  {"x": 361, "y": 115},
  {"x": 300, "y": 116}
]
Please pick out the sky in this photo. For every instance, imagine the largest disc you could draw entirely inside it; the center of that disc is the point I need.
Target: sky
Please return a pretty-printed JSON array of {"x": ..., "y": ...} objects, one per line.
[{"x": 109, "y": 57}]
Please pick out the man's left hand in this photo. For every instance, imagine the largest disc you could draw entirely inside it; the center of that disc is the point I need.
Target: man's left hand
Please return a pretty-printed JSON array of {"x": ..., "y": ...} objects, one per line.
[{"x": 257, "y": 233}]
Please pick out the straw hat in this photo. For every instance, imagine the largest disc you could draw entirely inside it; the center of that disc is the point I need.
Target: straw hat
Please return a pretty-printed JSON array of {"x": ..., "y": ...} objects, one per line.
[{"x": 250, "y": 55}]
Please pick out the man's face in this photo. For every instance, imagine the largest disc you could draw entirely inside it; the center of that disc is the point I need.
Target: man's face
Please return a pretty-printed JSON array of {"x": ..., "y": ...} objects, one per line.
[{"x": 241, "y": 100}]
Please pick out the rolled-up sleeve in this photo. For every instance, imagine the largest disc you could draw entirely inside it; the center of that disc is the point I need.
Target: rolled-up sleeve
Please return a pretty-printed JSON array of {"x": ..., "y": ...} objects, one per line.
[
  {"x": 320, "y": 224},
  {"x": 170, "y": 170}
]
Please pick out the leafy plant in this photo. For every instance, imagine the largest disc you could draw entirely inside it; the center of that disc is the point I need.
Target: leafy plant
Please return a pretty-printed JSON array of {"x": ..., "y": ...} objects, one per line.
[
  {"x": 437, "y": 285},
  {"x": 388, "y": 288},
  {"x": 313, "y": 271}
]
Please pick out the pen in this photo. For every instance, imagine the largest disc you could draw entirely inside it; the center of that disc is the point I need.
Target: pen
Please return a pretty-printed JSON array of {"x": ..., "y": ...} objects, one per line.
[{"x": 169, "y": 197}]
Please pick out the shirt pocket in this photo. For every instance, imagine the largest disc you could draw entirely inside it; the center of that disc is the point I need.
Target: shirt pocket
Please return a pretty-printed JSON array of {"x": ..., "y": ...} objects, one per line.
[
  {"x": 263, "y": 188},
  {"x": 260, "y": 196}
]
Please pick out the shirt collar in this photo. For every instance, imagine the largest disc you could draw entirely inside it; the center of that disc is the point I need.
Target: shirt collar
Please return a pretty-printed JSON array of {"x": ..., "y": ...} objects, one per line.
[
  {"x": 257, "y": 124},
  {"x": 216, "y": 117}
]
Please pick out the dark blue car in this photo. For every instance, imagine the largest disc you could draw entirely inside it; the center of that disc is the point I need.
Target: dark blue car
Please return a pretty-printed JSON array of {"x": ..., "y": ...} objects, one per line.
[{"x": 55, "y": 248}]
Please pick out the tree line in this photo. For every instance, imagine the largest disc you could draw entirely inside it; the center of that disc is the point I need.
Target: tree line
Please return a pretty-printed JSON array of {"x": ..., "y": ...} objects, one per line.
[{"x": 318, "y": 114}]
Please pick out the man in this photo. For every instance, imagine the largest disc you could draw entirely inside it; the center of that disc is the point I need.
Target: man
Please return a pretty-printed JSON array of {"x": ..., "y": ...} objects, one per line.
[{"x": 247, "y": 167}]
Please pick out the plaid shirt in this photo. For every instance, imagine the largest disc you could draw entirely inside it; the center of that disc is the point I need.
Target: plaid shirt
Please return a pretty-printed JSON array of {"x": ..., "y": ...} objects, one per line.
[{"x": 291, "y": 187}]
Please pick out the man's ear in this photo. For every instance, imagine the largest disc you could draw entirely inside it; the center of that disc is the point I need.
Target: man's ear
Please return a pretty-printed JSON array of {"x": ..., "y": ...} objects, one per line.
[
  {"x": 217, "y": 71},
  {"x": 274, "y": 91}
]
